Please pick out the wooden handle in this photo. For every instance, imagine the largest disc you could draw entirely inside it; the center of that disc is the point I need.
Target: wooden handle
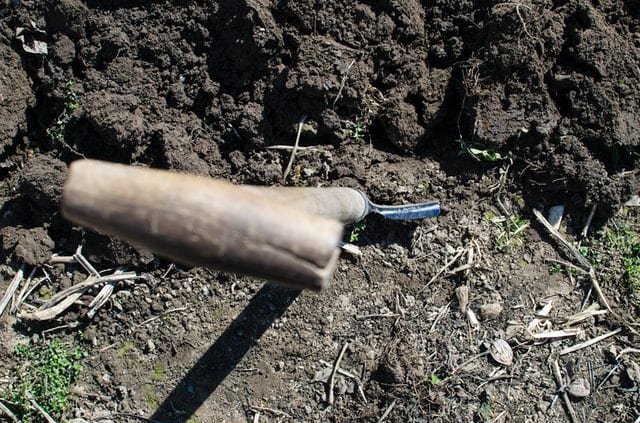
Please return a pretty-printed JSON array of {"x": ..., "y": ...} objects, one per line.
[
  {"x": 203, "y": 222},
  {"x": 346, "y": 205}
]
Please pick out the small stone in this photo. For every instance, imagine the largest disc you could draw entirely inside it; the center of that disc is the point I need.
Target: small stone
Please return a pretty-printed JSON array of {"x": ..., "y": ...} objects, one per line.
[
  {"x": 490, "y": 311},
  {"x": 579, "y": 388},
  {"x": 633, "y": 201},
  {"x": 157, "y": 307},
  {"x": 206, "y": 291},
  {"x": 151, "y": 347},
  {"x": 633, "y": 372}
]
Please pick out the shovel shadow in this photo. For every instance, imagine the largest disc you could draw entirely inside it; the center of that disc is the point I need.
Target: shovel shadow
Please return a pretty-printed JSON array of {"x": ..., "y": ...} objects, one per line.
[{"x": 223, "y": 356}]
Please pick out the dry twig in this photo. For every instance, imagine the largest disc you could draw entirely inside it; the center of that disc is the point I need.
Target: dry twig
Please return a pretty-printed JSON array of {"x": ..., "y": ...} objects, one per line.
[
  {"x": 342, "y": 83},
  {"x": 517, "y": 6},
  {"x": 443, "y": 268},
  {"x": 590, "y": 342},
  {"x": 376, "y": 316},
  {"x": 151, "y": 319},
  {"x": 554, "y": 334},
  {"x": 65, "y": 298},
  {"x": 591, "y": 311},
  {"x": 578, "y": 256},
  {"x": 441, "y": 313},
  {"x": 562, "y": 392},
  {"x": 291, "y": 147},
  {"x": 26, "y": 290},
  {"x": 82, "y": 261},
  {"x": 8, "y": 412},
  {"x": 627, "y": 351},
  {"x": 295, "y": 148},
  {"x": 41, "y": 410},
  {"x": 13, "y": 286},
  {"x": 387, "y": 411},
  {"x": 350, "y": 375},
  {"x": 269, "y": 410},
  {"x": 332, "y": 377}
]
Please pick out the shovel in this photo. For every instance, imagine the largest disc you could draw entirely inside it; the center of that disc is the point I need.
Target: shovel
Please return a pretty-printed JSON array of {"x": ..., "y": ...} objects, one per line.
[{"x": 287, "y": 235}]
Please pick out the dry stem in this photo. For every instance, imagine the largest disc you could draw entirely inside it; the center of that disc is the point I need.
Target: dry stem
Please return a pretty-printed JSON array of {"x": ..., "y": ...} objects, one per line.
[
  {"x": 295, "y": 148},
  {"x": 558, "y": 375},
  {"x": 590, "y": 342},
  {"x": 13, "y": 286},
  {"x": 332, "y": 377}
]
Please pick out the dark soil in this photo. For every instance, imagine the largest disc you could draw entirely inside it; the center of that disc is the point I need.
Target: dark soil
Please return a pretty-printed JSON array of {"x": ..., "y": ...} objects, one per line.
[{"x": 396, "y": 95}]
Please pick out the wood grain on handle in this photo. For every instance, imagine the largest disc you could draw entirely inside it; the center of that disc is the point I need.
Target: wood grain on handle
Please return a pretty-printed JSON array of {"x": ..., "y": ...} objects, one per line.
[
  {"x": 203, "y": 222},
  {"x": 346, "y": 205}
]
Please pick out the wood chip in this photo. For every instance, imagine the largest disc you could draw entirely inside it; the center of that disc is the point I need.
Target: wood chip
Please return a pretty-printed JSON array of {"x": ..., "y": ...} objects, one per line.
[{"x": 462, "y": 294}]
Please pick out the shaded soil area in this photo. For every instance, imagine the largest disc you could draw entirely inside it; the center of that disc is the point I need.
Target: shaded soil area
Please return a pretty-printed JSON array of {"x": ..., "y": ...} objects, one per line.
[{"x": 494, "y": 110}]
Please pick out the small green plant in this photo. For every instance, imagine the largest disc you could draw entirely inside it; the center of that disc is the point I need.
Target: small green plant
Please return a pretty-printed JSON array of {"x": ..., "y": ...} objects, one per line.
[
  {"x": 357, "y": 127},
  {"x": 158, "y": 371},
  {"x": 556, "y": 268},
  {"x": 358, "y": 228},
  {"x": 511, "y": 230},
  {"x": 149, "y": 396},
  {"x": 482, "y": 154},
  {"x": 627, "y": 243},
  {"x": 432, "y": 379},
  {"x": 357, "y": 132},
  {"x": 125, "y": 349},
  {"x": 45, "y": 375},
  {"x": 57, "y": 130}
]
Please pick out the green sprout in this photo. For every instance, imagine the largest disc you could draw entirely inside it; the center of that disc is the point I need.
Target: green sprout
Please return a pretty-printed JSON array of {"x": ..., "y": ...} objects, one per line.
[
  {"x": 357, "y": 130},
  {"x": 627, "y": 243},
  {"x": 44, "y": 376},
  {"x": 432, "y": 379},
  {"x": 556, "y": 268},
  {"x": 57, "y": 130},
  {"x": 511, "y": 230},
  {"x": 482, "y": 154},
  {"x": 358, "y": 228},
  {"x": 357, "y": 133}
]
